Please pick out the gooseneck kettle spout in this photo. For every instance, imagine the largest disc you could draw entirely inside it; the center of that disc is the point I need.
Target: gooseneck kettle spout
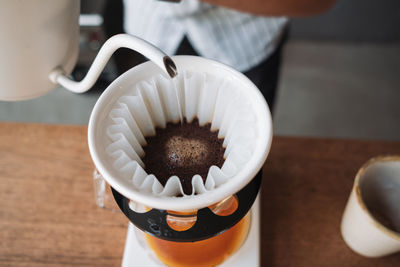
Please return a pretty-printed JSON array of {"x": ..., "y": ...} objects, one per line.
[{"x": 162, "y": 60}]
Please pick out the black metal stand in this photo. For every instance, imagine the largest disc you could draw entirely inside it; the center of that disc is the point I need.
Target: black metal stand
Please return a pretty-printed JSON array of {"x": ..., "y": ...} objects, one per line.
[{"x": 208, "y": 224}]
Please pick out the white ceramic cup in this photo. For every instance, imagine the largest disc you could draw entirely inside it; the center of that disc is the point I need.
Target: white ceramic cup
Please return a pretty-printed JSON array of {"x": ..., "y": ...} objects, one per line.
[{"x": 371, "y": 220}]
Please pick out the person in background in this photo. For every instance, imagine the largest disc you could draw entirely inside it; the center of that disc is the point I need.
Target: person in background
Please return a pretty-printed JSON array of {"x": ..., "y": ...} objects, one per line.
[{"x": 247, "y": 35}]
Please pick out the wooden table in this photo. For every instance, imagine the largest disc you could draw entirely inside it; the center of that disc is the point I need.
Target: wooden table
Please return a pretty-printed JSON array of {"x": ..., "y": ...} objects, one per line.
[{"x": 48, "y": 216}]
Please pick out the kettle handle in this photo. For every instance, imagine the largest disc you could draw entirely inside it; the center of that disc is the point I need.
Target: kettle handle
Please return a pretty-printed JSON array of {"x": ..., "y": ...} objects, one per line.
[{"x": 145, "y": 48}]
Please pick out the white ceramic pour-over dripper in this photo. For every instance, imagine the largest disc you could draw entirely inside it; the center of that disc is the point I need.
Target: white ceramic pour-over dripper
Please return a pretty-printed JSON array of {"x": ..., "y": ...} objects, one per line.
[{"x": 126, "y": 84}]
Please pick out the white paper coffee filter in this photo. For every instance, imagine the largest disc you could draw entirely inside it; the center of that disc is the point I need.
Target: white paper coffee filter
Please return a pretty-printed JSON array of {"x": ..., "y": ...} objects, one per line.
[
  {"x": 132, "y": 108},
  {"x": 154, "y": 102}
]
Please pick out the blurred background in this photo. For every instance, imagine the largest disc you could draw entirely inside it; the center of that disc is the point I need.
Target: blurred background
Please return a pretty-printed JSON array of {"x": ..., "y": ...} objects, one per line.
[{"x": 340, "y": 75}]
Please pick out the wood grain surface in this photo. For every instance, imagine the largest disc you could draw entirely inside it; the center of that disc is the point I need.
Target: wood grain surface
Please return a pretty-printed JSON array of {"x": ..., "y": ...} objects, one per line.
[
  {"x": 48, "y": 216},
  {"x": 305, "y": 189}
]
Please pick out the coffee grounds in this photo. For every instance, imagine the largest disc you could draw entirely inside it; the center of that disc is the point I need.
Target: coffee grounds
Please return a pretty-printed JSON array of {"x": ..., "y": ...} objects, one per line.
[{"x": 183, "y": 150}]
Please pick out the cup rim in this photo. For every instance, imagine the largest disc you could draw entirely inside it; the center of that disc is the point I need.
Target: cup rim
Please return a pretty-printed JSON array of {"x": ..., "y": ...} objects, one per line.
[
  {"x": 201, "y": 200},
  {"x": 357, "y": 189}
]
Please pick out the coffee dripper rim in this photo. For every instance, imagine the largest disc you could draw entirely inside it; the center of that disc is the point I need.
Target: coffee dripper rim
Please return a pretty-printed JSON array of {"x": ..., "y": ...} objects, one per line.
[{"x": 237, "y": 182}]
